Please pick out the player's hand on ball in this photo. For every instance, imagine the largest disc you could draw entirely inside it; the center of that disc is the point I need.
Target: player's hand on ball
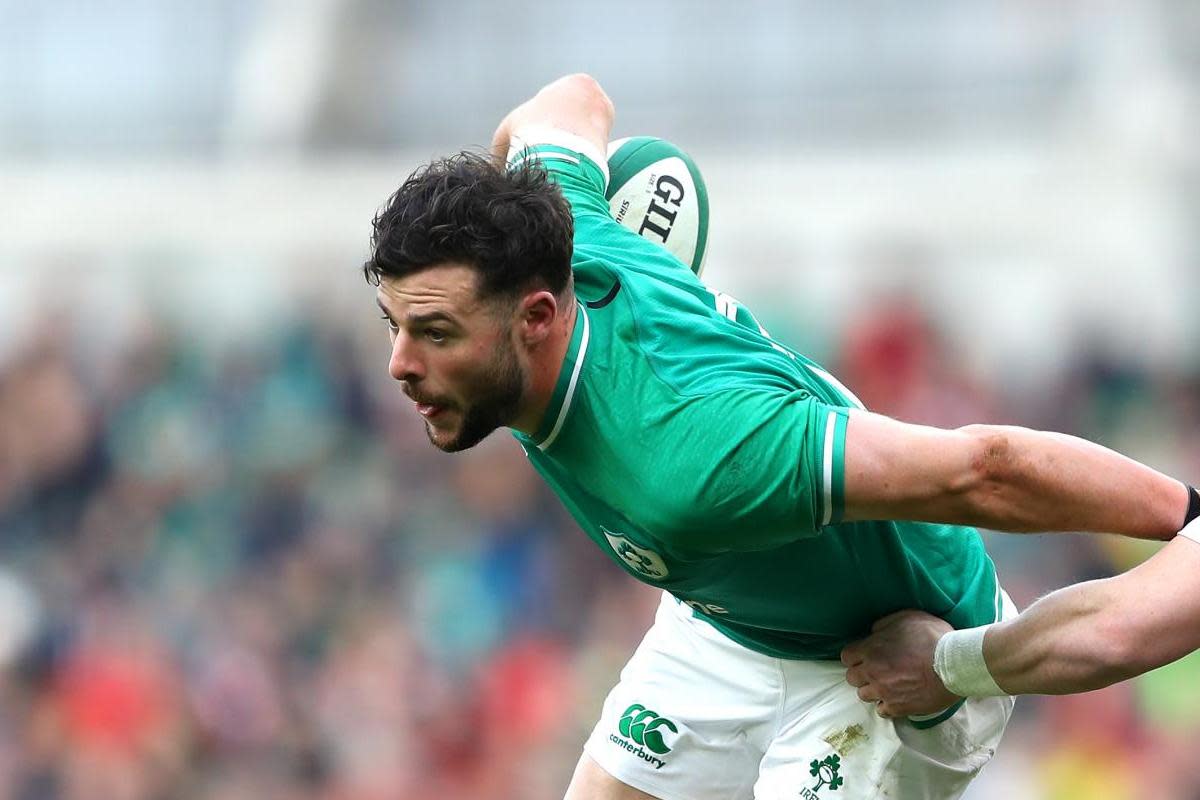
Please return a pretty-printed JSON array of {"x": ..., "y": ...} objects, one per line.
[{"x": 893, "y": 667}]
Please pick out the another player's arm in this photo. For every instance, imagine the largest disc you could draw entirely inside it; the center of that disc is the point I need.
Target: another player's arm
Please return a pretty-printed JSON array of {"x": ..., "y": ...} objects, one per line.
[
  {"x": 1003, "y": 478},
  {"x": 1076, "y": 639},
  {"x": 1094, "y": 634},
  {"x": 575, "y": 104}
]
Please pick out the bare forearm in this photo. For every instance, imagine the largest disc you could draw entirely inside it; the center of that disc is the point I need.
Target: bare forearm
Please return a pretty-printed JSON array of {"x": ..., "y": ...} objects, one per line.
[
  {"x": 1059, "y": 645},
  {"x": 1037, "y": 481},
  {"x": 1093, "y": 634},
  {"x": 1003, "y": 478}
]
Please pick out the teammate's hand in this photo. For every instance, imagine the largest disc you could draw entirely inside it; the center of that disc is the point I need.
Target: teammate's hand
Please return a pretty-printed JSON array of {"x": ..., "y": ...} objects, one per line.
[{"x": 893, "y": 667}]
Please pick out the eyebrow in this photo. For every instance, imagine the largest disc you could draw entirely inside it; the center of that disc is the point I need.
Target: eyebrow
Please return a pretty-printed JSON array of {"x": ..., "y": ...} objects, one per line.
[
  {"x": 430, "y": 316},
  {"x": 418, "y": 319}
]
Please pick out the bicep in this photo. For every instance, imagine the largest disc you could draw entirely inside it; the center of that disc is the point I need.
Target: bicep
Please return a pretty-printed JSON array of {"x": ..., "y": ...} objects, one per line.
[{"x": 898, "y": 470}]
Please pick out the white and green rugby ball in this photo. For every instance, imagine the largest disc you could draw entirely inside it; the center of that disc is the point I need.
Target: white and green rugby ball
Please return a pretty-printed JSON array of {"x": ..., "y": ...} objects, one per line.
[{"x": 656, "y": 191}]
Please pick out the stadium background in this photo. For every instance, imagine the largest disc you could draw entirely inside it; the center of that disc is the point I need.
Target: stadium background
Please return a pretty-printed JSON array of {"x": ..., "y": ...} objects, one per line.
[{"x": 231, "y": 566}]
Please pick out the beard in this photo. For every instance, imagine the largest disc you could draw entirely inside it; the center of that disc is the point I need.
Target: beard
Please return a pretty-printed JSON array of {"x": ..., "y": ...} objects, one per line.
[{"x": 498, "y": 391}]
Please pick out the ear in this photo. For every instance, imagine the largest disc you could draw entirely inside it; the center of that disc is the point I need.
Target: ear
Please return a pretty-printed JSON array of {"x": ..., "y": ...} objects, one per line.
[{"x": 536, "y": 314}]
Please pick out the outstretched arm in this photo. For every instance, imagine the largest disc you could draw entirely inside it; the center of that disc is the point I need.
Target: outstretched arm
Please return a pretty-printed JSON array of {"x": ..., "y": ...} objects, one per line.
[
  {"x": 1003, "y": 478},
  {"x": 1076, "y": 639}
]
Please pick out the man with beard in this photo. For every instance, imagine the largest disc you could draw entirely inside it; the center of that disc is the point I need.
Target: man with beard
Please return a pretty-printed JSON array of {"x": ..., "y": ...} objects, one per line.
[{"x": 717, "y": 464}]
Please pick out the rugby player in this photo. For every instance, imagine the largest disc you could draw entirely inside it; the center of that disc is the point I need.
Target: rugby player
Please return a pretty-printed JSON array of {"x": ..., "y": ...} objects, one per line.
[{"x": 717, "y": 464}]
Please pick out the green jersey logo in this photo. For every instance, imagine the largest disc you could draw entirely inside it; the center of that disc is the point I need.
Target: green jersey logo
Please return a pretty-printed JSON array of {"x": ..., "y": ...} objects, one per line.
[
  {"x": 642, "y": 726},
  {"x": 826, "y": 773},
  {"x": 642, "y": 561}
]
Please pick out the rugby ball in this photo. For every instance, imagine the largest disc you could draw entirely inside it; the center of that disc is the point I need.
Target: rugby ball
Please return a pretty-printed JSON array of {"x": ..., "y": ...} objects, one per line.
[{"x": 656, "y": 191}]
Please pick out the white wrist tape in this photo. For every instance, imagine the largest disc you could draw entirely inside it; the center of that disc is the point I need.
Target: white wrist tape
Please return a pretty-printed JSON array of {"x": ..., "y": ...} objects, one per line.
[
  {"x": 1192, "y": 530},
  {"x": 958, "y": 661}
]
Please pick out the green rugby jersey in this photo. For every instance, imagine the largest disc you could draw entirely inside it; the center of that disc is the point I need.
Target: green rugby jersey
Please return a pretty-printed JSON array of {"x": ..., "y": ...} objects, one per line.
[{"x": 705, "y": 458}]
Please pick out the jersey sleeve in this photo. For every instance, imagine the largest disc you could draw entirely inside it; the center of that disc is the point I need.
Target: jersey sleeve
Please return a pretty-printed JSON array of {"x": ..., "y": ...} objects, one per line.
[
  {"x": 575, "y": 164},
  {"x": 581, "y": 172},
  {"x": 756, "y": 470}
]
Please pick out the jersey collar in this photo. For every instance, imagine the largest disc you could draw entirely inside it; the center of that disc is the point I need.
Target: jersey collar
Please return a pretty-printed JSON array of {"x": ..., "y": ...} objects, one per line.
[{"x": 568, "y": 381}]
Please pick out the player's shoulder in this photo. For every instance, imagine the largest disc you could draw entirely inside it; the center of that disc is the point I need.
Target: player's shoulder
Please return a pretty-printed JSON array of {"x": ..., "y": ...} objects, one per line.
[{"x": 700, "y": 351}]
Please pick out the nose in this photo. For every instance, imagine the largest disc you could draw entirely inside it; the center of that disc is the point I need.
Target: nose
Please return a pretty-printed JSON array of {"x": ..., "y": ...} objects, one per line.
[{"x": 405, "y": 365}]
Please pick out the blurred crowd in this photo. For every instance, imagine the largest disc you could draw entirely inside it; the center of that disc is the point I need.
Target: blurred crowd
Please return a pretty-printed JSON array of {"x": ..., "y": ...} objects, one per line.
[{"x": 240, "y": 571}]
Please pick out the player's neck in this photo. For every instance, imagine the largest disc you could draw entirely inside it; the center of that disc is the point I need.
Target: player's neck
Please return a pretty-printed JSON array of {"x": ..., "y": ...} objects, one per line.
[{"x": 545, "y": 365}]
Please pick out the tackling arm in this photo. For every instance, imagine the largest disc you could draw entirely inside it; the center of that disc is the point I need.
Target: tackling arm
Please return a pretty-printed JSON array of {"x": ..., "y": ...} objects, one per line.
[
  {"x": 1076, "y": 639},
  {"x": 1097, "y": 633},
  {"x": 1003, "y": 478}
]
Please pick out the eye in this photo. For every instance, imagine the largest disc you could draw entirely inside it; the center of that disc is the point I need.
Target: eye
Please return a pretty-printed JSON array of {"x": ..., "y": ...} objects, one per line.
[
  {"x": 434, "y": 335},
  {"x": 393, "y": 327}
]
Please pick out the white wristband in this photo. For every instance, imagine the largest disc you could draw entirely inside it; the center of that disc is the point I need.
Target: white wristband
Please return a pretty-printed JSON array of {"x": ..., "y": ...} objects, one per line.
[
  {"x": 1192, "y": 530},
  {"x": 958, "y": 661}
]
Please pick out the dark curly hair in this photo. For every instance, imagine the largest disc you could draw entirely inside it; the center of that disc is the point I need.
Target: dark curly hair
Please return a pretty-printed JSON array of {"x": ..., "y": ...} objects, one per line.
[{"x": 512, "y": 225}]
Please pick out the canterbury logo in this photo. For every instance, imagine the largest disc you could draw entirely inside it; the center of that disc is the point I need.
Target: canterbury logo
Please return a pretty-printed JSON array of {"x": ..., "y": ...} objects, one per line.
[{"x": 642, "y": 726}]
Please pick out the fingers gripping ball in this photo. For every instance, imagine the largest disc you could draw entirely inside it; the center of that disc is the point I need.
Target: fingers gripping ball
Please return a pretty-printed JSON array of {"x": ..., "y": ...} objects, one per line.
[{"x": 656, "y": 191}]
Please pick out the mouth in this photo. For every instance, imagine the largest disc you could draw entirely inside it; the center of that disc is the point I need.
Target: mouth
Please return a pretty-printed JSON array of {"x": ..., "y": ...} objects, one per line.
[
  {"x": 429, "y": 410},
  {"x": 425, "y": 408}
]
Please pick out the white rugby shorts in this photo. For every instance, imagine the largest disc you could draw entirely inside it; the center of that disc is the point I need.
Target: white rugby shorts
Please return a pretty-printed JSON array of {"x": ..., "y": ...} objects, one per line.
[{"x": 697, "y": 716}]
